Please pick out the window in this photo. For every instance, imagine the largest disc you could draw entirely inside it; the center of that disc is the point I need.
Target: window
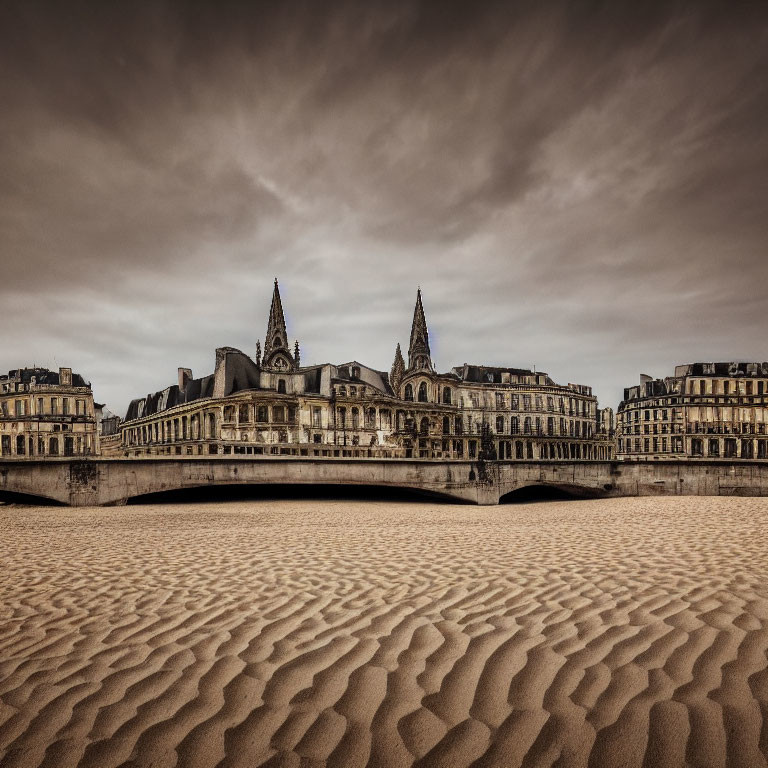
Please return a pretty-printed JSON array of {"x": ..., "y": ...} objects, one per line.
[
  {"x": 500, "y": 401},
  {"x": 550, "y": 403},
  {"x": 278, "y": 413},
  {"x": 65, "y": 406},
  {"x": 446, "y": 425},
  {"x": 370, "y": 418},
  {"x": 281, "y": 386},
  {"x": 408, "y": 392},
  {"x": 20, "y": 445},
  {"x": 291, "y": 414},
  {"x": 261, "y": 414},
  {"x": 385, "y": 418},
  {"x": 423, "y": 392},
  {"x": 40, "y": 406},
  {"x": 424, "y": 426},
  {"x": 500, "y": 425},
  {"x": 526, "y": 402},
  {"x": 515, "y": 403},
  {"x": 355, "y": 418},
  {"x": 459, "y": 426},
  {"x": 242, "y": 413},
  {"x": 317, "y": 417},
  {"x": 527, "y": 425},
  {"x": 447, "y": 395},
  {"x": 19, "y": 405}
]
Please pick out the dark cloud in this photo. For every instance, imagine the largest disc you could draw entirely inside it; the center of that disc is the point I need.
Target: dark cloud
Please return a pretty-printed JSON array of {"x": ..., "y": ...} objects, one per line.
[{"x": 578, "y": 186}]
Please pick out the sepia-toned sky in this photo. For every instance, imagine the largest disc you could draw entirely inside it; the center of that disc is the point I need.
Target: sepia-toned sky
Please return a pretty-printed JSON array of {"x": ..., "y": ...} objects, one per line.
[{"x": 582, "y": 187}]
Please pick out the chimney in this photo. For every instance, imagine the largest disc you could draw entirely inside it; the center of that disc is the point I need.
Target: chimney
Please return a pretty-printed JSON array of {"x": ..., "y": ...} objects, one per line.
[{"x": 185, "y": 374}]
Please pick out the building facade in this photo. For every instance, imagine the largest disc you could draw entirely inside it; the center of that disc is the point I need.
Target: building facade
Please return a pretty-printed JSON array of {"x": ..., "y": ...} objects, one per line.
[
  {"x": 46, "y": 414},
  {"x": 706, "y": 410},
  {"x": 271, "y": 404}
]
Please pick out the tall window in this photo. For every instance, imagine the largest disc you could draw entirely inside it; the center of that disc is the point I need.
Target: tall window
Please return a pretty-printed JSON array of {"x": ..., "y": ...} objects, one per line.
[
  {"x": 447, "y": 395},
  {"x": 278, "y": 413},
  {"x": 499, "y": 425},
  {"x": 423, "y": 392},
  {"x": 446, "y": 425},
  {"x": 408, "y": 392},
  {"x": 65, "y": 406},
  {"x": 424, "y": 426},
  {"x": 317, "y": 417},
  {"x": 281, "y": 386},
  {"x": 261, "y": 414},
  {"x": 242, "y": 413},
  {"x": 355, "y": 418}
]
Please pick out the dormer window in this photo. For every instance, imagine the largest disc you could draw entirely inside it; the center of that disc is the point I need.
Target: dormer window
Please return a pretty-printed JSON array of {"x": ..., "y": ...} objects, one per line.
[{"x": 355, "y": 372}]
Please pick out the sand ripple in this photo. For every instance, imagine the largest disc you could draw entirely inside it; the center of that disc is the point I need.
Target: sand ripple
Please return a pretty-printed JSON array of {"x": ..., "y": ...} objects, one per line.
[{"x": 628, "y": 632}]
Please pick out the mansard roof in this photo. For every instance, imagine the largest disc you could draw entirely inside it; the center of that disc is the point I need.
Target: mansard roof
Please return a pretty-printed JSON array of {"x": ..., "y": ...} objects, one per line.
[
  {"x": 483, "y": 374},
  {"x": 41, "y": 376}
]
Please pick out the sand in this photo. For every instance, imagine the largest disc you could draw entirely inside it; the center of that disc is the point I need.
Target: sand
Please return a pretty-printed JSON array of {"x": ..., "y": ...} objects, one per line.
[{"x": 629, "y": 632}]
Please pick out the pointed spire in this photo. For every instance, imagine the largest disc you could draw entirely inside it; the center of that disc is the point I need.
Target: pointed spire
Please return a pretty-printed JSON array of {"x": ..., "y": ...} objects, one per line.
[
  {"x": 296, "y": 353},
  {"x": 418, "y": 350},
  {"x": 276, "y": 350},
  {"x": 398, "y": 369},
  {"x": 258, "y": 352}
]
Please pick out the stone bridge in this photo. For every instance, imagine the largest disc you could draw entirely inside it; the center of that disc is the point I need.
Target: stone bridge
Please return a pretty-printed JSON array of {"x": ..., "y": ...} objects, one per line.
[{"x": 102, "y": 481}]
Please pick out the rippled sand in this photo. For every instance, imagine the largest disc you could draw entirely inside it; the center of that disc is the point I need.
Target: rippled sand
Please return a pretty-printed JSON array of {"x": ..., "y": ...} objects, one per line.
[{"x": 628, "y": 632}]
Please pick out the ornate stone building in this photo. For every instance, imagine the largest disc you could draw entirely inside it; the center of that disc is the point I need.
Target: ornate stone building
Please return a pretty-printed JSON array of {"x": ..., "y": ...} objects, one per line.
[
  {"x": 271, "y": 404},
  {"x": 706, "y": 410},
  {"x": 46, "y": 414}
]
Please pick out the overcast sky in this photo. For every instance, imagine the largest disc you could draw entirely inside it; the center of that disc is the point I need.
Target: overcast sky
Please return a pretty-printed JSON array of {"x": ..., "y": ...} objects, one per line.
[{"x": 580, "y": 187}]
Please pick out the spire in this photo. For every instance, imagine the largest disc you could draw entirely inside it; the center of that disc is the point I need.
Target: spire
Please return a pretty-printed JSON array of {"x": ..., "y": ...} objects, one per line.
[
  {"x": 276, "y": 351},
  {"x": 418, "y": 350},
  {"x": 398, "y": 369}
]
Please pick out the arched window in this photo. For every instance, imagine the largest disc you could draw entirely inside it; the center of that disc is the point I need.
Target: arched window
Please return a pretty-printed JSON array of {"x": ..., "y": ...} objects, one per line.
[
  {"x": 423, "y": 392},
  {"x": 446, "y": 425},
  {"x": 459, "y": 426},
  {"x": 212, "y": 426},
  {"x": 447, "y": 395},
  {"x": 281, "y": 386},
  {"x": 408, "y": 392},
  {"x": 424, "y": 426},
  {"x": 499, "y": 425}
]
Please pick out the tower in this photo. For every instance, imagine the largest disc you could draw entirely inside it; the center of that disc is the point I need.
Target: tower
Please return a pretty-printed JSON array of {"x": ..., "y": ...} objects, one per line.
[
  {"x": 277, "y": 354},
  {"x": 398, "y": 369},
  {"x": 418, "y": 351}
]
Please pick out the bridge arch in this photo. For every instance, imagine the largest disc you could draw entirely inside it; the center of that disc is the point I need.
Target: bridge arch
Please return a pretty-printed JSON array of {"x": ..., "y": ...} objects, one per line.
[
  {"x": 548, "y": 492},
  {"x": 254, "y": 491}
]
